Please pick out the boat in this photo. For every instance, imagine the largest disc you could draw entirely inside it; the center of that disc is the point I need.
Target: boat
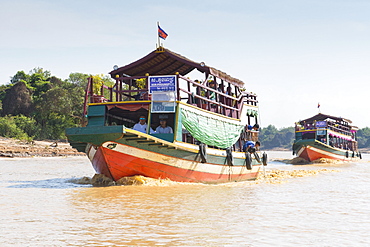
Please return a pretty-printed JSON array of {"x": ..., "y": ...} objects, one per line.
[
  {"x": 209, "y": 117},
  {"x": 325, "y": 136}
]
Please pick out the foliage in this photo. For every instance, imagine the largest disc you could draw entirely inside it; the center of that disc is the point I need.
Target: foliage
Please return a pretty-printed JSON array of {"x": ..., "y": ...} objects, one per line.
[
  {"x": 38, "y": 105},
  {"x": 363, "y": 138},
  {"x": 141, "y": 83},
  {"x": 99, "y": 81},
  {"x": 17, "y": 100},
  {"x": 270, "y": 137},
  {"x": 9, "y": 128},
  {"x": 27, "y": 125},
  {"x": 78, "y": 79}
]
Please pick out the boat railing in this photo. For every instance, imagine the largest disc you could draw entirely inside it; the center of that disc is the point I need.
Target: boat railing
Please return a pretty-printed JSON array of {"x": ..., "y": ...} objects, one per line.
[{"x": 221, "y": 102}]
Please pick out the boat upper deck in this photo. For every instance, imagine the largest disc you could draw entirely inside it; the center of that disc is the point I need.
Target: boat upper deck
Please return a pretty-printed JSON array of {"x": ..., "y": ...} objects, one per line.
[{"x": 213, "y": 90}]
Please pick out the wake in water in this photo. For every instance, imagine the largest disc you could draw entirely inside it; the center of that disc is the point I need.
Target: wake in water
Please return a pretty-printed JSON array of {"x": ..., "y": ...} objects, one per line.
[
  {"x": 279, "y": 176},
  {"x": 269, "y": 176},
  {"x": 100, "y": 180},
  {"x": 301, "y": 161}
]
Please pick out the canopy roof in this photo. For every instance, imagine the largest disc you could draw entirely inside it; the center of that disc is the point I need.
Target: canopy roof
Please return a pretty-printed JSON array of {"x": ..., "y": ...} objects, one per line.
[
  {"x": 321, "y": 117},
  {"x": 165, "y": 62}
]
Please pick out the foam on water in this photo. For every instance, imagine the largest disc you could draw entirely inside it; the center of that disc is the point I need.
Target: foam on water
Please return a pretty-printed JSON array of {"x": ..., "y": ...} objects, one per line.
[{"x": 267, "y": 176}]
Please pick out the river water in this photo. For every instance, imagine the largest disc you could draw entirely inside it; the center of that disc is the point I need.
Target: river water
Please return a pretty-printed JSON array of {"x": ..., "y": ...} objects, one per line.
[{"x": 44, "y": 202}]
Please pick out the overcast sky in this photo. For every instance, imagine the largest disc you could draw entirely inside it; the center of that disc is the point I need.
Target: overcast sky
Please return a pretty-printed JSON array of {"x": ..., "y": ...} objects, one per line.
[{"x": 293, "y": 53}]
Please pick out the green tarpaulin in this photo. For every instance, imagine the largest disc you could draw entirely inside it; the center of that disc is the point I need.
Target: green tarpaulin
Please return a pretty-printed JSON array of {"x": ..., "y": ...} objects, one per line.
[{"x": 211, "y": 131}]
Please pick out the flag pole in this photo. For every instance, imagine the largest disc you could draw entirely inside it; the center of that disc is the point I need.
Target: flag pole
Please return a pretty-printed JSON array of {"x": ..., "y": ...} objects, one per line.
[{"x": 159, "y": 45}]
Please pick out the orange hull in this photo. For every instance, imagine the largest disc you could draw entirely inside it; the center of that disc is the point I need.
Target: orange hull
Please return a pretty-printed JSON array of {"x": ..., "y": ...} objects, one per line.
[{"x": 115, "y": 164}]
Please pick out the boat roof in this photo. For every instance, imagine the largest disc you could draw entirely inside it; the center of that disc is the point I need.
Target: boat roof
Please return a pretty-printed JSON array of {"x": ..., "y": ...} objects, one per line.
[
  {"x": 162, "y": 61},
  {"x": 321, "y": 117}
]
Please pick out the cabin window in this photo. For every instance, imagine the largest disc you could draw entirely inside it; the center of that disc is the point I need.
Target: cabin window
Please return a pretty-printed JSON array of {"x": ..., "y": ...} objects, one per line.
[{"x": 309, "y": 135}]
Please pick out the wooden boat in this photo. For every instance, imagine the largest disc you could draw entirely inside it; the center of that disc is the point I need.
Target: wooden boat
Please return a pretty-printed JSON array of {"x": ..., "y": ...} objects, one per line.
[
  {"x": 209, "y": 124},
  {"x": 324, "y": 136}
]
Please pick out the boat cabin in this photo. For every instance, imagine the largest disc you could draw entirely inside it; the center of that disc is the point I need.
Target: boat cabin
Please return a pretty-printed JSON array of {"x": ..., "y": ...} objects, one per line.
[{"x": 166, "y": 85}]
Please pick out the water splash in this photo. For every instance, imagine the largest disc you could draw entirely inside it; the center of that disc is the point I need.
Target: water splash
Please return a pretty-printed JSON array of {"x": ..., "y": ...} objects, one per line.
[
  {"x": 279, "y": 176},
  {"x": 301, "y": 161}
]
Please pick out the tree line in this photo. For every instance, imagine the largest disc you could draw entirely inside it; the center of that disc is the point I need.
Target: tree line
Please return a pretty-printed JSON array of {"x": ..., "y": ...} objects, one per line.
[{"x": 39, "y": 106}]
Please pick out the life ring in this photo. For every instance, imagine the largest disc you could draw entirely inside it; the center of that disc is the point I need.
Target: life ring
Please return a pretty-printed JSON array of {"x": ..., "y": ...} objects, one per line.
[
  {"x": 203, "y": 152},
  {"x": 248, "y": 160},
  {"x": 264, "y": 159}
]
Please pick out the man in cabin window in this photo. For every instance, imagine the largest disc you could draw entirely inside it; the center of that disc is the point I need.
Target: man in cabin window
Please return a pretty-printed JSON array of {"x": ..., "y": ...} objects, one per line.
[
  {"x": 163, "y": 128},
  {"x": 142, "y": 126}
]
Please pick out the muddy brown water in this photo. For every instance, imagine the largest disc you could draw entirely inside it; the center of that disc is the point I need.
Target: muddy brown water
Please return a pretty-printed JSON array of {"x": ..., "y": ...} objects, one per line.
[{"x": 50, "y": 202}]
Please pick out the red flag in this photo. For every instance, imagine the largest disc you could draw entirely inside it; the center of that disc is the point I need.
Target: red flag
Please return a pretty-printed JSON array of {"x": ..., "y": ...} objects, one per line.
[{"x": 161, "y": 33}]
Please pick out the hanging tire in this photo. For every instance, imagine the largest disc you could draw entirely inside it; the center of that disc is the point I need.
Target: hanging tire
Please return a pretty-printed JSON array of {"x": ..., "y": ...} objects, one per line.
[
  {"x": 248, "y": 161},
  {"x": 257, "y": 157},
  {"x": 264, "y": 159},
  {"x": 229, "y": 157},
  {"x": 347, "y": 154},
  {"x": 203, "y": 153},
  {"x": 359, "y": 154}
]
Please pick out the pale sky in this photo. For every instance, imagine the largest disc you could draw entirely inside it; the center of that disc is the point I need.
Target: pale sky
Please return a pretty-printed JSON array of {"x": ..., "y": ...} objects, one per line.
[{"x": 293, "y": 53}]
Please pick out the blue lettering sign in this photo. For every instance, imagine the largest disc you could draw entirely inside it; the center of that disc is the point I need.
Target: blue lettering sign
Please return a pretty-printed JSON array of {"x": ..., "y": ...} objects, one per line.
[
  {"x": 163, "y": 83},
  {"x": 321, "y": 124}
]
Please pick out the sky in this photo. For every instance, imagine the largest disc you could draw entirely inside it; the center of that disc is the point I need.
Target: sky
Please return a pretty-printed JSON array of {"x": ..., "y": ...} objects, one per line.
[{"x": 294, "y": 54}]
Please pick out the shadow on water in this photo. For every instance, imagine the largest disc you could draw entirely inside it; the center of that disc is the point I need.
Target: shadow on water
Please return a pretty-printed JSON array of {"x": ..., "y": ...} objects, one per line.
[{"x": 54, "y": 183}]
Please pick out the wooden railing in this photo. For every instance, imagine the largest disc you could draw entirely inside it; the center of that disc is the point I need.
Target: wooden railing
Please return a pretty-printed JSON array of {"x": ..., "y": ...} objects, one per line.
[{"x": 225, "y": 102}]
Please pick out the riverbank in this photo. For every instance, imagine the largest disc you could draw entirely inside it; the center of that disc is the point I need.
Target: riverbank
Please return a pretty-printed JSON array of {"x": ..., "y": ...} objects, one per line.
[{"x": 15, "y": 148}]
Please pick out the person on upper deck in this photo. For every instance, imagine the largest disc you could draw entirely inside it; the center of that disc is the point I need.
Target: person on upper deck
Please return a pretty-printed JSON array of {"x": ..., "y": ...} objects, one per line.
[
  {"x": 256, "y": 127},
  {"x": 163, "y": 128},
  {"x": 212, "y": 95},
  {"x": 248, "y": 131}
]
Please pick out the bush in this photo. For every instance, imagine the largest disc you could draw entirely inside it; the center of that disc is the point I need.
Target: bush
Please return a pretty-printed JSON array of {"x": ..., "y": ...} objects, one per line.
[{"x": 9, "y": 128}]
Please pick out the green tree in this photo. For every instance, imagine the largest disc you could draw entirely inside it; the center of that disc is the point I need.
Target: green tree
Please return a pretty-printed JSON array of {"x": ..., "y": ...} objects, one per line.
[
  {"x": 270, "y": 137},
  {"x": 9, "y": 128},
  {"x": 17, "y": 100},
  {"x": 363, "y": 137},
  {"x": 78, "y": 79},
  {"x": 20, "y": 76},
  {"x": 28, "y": 125}
]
